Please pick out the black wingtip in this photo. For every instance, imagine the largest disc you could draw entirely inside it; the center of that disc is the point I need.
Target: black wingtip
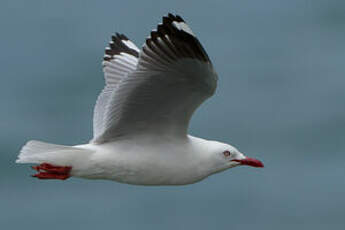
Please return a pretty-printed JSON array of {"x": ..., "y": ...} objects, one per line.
[
  {"x": 116, "y": 46},
  {"x": 174, "y": 17},
  {"x": 178, "y": 38},
  {"x": 179, "y": 18}
]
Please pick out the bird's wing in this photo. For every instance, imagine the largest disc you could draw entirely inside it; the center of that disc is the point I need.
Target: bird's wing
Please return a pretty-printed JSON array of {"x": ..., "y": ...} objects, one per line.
[
  {"x": 120, "y": 59},
  {"x": 173, "y": 77}
]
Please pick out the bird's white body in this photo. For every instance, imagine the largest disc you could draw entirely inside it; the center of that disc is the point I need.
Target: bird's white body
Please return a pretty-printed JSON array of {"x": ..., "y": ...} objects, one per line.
[
  {"x": 141, "y": 117},
  {"x": 147, "y": 160}
]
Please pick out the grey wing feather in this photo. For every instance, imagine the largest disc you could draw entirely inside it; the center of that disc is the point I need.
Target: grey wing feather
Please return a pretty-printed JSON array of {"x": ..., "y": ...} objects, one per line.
[
  {"x": 120, "y": 59},
  {"x": 173, "y": 77}
]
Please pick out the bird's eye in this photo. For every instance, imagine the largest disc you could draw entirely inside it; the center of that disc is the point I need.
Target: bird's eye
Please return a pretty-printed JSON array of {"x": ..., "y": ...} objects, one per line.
[{"x": 226, "y": 153}]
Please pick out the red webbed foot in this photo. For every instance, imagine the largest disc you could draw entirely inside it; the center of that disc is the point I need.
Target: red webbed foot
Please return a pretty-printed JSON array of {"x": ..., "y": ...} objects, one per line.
[{"x": 49, "y": 171}]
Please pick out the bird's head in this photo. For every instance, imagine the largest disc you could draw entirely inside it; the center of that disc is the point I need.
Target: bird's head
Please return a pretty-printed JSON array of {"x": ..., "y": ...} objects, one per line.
[{"x": 225, "y": 156}]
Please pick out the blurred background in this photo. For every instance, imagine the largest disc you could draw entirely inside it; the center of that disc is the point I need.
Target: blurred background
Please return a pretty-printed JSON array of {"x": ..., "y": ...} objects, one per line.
[{"x": 281, "y": 99}]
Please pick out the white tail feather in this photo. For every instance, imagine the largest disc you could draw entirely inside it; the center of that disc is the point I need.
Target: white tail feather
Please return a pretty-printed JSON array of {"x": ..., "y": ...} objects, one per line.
[{"x": 41, "y": 152}]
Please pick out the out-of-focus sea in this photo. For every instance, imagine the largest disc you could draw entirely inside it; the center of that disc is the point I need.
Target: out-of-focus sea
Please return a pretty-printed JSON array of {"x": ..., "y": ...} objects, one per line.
[{"x": 281, "y": 99}]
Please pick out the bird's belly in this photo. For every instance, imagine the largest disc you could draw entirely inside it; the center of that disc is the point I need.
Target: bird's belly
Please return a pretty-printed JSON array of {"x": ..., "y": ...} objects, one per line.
[
  {"x": 149, "y": 169},
  {"x": 152, "y": 174},
  {"x": 159, "y": 179},
  {"x": 153, "y": 177}
]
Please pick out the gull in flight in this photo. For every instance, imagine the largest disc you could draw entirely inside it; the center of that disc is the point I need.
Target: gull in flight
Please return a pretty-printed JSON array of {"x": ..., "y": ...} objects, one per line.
[{"x": 141, "y": 118}]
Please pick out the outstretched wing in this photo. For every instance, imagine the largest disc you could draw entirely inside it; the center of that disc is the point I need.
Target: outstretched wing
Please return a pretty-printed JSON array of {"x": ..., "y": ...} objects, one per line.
[
  {"x": 173, "y": 77},
  {"x": 120, "y": 59}
]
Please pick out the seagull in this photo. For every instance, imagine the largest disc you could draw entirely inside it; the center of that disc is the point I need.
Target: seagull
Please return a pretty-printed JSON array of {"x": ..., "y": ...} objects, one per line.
[{"x": 141, "y": 118}]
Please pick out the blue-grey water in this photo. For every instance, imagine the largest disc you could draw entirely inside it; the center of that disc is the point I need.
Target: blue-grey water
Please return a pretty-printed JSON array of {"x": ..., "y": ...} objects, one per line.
[{"x": 281, "y": 99}]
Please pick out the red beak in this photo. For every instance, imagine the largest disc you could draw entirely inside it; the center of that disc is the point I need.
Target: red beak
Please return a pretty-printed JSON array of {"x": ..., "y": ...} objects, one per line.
[{"x": 251, "y": 162}]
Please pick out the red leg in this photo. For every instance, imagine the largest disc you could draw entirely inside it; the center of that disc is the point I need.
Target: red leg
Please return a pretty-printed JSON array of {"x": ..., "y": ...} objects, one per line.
[{"x": 49, "y": 171}]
